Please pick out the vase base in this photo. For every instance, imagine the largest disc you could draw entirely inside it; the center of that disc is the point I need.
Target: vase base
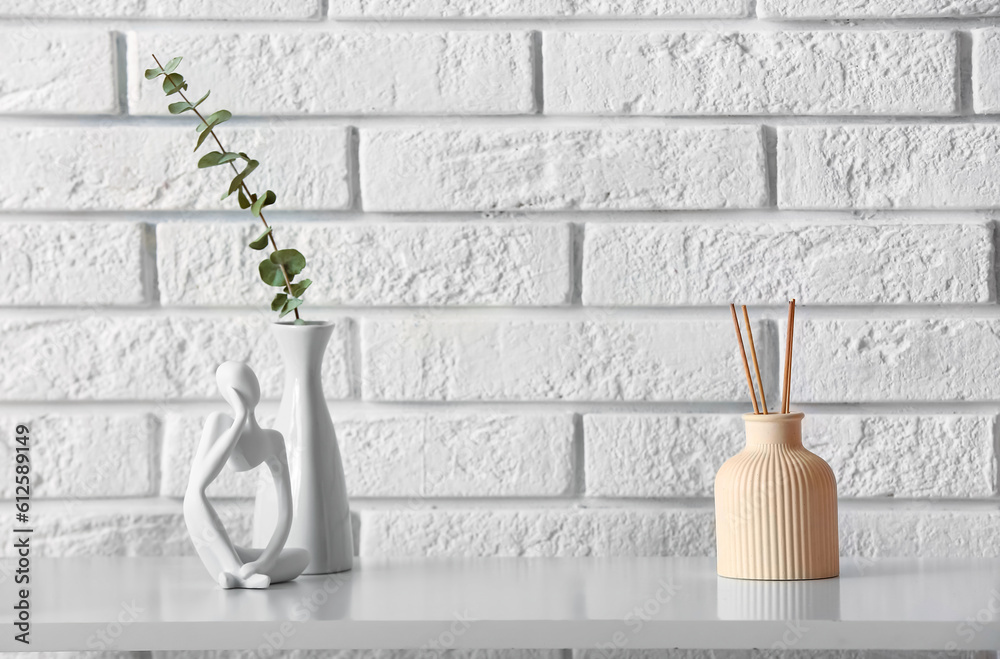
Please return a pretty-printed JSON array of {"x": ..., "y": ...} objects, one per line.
[
  {"x": 808, "y": 578},
  {"x": 334, "y": 570}
]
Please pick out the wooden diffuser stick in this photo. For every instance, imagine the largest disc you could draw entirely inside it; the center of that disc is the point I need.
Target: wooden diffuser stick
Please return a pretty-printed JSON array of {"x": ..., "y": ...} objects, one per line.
[
  {"x": 743, "y": 354},
  {"x": 753, "y": 356},
  {"x": 786, "y": 397}
]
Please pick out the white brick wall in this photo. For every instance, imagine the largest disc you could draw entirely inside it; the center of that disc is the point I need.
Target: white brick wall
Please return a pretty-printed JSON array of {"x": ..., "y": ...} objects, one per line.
[
  {"x": 46, "y": 260},
  {"x": 527, "y": 218},
  {"x": 34, "y": 77},
  {"x": 139, "y": 167},
  {"x": 897, "y": 360},
  {"x": 551, "y": 360},
  {"x": 538, "y": 8},
  {"x": 842, "y": 9},
  {"x": 888, "y": 166},
  {"x": 509, "y": 169},
  {"x": 402, "y": 263},
  {"x": 720, "y": 73},
  {"x": 660, "y": 456},
  {"x": 855, "y": 263},
  {"x": 354, "y": 72}
]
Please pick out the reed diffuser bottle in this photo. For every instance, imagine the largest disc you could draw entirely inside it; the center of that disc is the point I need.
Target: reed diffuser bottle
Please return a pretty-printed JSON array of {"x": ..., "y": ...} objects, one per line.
[
  {"x": 776, "y": 506},
  {"x": 775, "y": 501}
]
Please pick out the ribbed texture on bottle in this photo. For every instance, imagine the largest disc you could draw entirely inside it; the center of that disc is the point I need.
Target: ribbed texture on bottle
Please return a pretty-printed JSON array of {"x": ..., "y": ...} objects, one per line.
[{"x": 776, "y": 510}]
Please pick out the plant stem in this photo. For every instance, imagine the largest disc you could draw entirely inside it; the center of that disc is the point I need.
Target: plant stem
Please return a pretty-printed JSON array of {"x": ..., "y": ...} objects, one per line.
[{"x": 246, "y": 190}]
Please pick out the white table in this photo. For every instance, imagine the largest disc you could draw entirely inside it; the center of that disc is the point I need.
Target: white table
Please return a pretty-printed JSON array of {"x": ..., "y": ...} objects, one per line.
[{"x": 172, "y": 604}]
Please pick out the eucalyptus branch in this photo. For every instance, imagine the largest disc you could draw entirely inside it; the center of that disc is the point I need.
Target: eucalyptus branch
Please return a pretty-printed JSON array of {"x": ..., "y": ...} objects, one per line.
[{"x": 280, "y": 268}]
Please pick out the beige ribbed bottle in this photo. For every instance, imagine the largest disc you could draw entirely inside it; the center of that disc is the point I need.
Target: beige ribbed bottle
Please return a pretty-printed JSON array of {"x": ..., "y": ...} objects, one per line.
[{"x": 776, "y": 506}]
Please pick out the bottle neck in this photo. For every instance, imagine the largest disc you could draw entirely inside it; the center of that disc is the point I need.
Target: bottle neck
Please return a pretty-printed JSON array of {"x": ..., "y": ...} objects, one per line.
[
  {"x": 302, "y": 349},
  {"x": 783, "y": 430}
]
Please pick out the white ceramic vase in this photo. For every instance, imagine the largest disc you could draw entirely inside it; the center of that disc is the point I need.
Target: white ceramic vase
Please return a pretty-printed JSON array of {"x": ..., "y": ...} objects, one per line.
[
  {"x": 776, "y": 506},
  {"x": 321, "y": 518}
]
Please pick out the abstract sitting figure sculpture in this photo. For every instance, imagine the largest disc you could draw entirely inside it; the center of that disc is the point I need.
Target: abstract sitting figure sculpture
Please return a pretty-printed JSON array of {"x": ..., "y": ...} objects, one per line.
[{"x": 241, "y": 442}]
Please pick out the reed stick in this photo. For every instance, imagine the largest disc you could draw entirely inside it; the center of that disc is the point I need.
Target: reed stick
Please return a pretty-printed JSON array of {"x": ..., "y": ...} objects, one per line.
[
  {"x": 786, "y": 396},
  {"x": 743, "y": 353},
  {"x": 791, "y": 346},
  {"x": 753, "y": 356}
]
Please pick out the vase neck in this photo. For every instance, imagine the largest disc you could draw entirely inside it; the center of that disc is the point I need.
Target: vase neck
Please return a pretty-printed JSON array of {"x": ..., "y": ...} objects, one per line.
[
  {"x": 781, "y": 430},
  {"x": 302, "y": 348}
]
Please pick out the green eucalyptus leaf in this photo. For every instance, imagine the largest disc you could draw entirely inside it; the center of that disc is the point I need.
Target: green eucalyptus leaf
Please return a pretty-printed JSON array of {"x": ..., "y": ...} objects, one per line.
[
  {"x": 219, "y": 116},
  {"x": 238, "y": 179},
  {"x": 299, "y": 321},
  {"x": 184, "y": 106},
  {"x": 214, "y": 119},
  {"x": 177, "y": 108},
  {"x": 299, "y": 287},
  {"x": 270, "y": 273},
  {"x": 292, "y": 259},
  {"x": 201, "y": 100},
  {"x": 278, "y": 301},
  {"x": 290, "y": 304},
  {"x": 210, "y": 159},
  {"x": 244, "y": 202},
  {"x": 260, "y": 242},
  {"x": 213, "y": 158},
  {"x": 259, "y": 204},
  {"x": 173, "y": 83},
  {"x": 154, "y": 73},
  {"x": 172, "y": 65},
  {"x": 201, "y": 140}
]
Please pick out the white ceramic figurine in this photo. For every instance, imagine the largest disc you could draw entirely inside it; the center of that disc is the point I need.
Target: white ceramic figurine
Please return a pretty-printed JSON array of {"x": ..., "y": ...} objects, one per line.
[{"x": 243, "y": 444}]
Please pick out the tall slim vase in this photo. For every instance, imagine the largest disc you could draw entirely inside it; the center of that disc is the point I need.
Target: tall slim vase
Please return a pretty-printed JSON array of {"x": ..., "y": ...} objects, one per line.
[
  {"x": 776, "y": 506},
  {"x": 321, "y": 520}
]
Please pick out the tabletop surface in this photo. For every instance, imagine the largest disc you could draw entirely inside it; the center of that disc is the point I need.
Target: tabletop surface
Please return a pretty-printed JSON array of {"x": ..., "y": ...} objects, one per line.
[{"x": 173, "y": 604}]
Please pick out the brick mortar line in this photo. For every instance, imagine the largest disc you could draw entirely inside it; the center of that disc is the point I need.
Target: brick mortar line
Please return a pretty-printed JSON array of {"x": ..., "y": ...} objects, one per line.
[
  {"x": 393, "y": 25},
  {"x": 478, "y": 122},
  {"x": 359, "y": 218},
  {"x": 167, "y": 505},
  {"x": 357, "y": 409},
  {"x": 888, "y": 312}
]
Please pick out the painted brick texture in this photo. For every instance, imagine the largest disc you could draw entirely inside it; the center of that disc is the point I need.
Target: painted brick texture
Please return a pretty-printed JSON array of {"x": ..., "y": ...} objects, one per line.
[
  {"x": 660, "y": 456},
  {"x": 605, "y": 169},
  {"x": 111, "y": 167},
  {"x": 610, "y": 360},
  {"x": 415, "y": 456},
  {"x": 888, "y": 166},
  {"x": 843, "y": 9},
  {"x": 151, "y": 357},
  {"x": 540, "y": 8},
  {"x": 857, "y": 263},
  {"x": 390, "y": 264},
  {"x": 527, "y": 219},
  {"x": 722, "y": 73},
  {"x": 356, "y": 72},
  {"x": 40, "y": 73},
  {"x": 847, "y": 360},
  {"x": 74, "y": 263},
  {"x": 985, "y": 59},
  {"x": 269, "y": 10}
]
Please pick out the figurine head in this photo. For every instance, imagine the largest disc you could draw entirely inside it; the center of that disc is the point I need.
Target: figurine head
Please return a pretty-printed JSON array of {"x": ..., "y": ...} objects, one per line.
[{"x": 235, "y": 377}]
